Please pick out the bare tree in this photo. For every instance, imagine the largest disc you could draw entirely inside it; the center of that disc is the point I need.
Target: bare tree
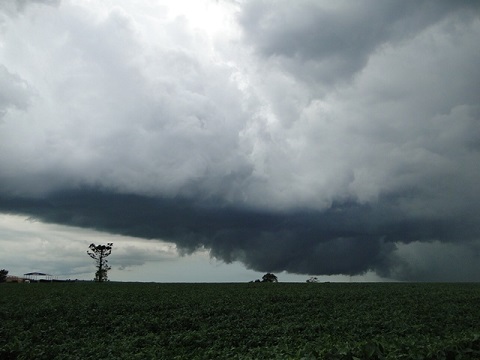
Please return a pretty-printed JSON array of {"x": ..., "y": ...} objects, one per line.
[{"x": 99, "y": 253}]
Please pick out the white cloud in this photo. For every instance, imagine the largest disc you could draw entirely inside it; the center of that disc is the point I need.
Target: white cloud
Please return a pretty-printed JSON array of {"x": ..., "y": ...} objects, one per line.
[
  {"x": 14, "y": 92},
  {"x": 29, "y": 245},
  {"x": 161, "y": 103}
]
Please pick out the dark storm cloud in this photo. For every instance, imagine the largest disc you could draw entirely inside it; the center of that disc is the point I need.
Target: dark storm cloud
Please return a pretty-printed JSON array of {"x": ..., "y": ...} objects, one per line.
[
  {"x": 345, "y": 239},
  {"x": 331, "y": 41}
]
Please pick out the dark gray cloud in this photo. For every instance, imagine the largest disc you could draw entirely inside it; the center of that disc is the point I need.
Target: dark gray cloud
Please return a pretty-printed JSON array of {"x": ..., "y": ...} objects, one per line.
[
  {"x": 330, "y": 42},
  {"x": 347, "y": 238},
  {"x": 348, "y": 140}
]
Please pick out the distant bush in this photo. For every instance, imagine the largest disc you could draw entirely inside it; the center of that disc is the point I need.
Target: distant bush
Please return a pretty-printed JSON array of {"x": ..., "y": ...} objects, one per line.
[
  {"x": 268, "y": 277},
  {"x": 3, "y": 275}
]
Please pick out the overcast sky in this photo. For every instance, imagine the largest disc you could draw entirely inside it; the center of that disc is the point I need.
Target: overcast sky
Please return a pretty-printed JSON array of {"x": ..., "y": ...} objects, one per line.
[{"x": 219, "y": 140}]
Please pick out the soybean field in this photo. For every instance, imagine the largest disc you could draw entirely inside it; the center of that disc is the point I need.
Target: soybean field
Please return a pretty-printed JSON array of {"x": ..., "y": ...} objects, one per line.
[{"x": 86, "y": 320}]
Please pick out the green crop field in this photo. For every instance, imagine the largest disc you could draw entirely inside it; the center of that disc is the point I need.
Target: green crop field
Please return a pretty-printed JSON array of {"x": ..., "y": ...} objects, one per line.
[{"x": 239, "y": 321}]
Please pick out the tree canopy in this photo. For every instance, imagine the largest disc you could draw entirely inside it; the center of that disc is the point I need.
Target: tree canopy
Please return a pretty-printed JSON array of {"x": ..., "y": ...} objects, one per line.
[{"x": 269, "y": 277}]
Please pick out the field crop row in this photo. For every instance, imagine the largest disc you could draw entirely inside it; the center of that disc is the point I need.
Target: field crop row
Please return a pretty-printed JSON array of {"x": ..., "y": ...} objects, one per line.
[{"x": 239, "y": 321}]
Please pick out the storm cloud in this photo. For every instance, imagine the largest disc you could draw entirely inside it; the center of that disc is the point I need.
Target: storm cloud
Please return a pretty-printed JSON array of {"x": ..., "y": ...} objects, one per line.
[{"x": 314, "y": 137}]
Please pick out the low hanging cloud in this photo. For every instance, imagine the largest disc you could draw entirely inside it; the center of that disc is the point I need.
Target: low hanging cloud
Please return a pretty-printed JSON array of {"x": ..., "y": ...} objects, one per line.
[{"x": 312, "y": 137}]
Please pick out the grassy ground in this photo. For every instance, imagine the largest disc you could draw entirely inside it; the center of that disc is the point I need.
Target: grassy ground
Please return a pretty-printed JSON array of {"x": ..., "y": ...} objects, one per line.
[{"x": 239, "y": 321}]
